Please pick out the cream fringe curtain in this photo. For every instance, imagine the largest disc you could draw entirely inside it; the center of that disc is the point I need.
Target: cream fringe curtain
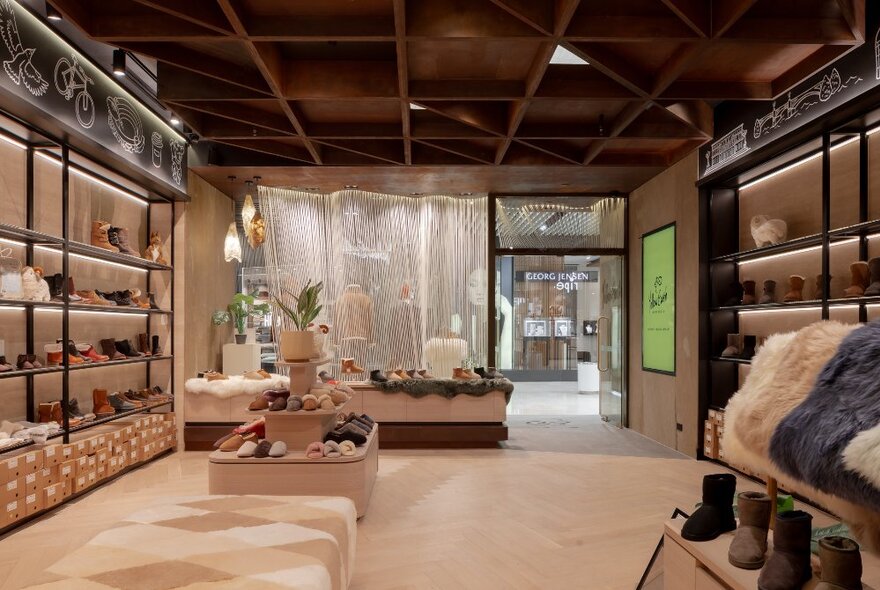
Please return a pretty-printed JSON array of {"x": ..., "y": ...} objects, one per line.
[{"x": 420, "y": 261}]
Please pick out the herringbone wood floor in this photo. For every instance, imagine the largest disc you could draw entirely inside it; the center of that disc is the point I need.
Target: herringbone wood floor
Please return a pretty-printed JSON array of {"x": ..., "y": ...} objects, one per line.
[{"x": 454, "y": 519}]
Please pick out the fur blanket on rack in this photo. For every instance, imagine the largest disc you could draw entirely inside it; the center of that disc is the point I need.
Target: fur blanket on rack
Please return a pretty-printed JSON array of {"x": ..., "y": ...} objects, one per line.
[
  {"x": 448, "y": 388},
  {"x": 808, "y": 414},
  {"x": 234, "y": 386}
]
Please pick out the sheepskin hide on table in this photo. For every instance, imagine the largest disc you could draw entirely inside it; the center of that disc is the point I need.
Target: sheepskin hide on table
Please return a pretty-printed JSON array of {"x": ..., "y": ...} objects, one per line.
[
  {"x": 782, "y": 375},
  {"x": 236, "y": 385},
  {"x": 812, "y": 442},
  {"x": 448, "y": 388}
]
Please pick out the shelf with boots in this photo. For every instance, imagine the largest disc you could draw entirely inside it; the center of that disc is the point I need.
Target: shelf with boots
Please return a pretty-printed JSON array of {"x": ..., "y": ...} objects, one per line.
[
  {"x": 118, "y": 415},
  {"x": 100, "y": 255},
  {"x": 19, "y": 235},
  {"x": 58, "y": 306}
]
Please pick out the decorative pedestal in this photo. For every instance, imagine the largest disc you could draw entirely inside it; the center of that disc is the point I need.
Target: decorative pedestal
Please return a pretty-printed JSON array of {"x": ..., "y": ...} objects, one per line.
[
  {"x": 298, "y": 429},
  {"x": 296, "y": 475},
  {"x": 303, "y": 374}
]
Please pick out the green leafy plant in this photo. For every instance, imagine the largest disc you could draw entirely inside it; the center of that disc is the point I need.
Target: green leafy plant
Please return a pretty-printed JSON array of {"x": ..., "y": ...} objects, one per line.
[
  {"x": 306, "y": 309},
  {"x": 238, "y": 311}
]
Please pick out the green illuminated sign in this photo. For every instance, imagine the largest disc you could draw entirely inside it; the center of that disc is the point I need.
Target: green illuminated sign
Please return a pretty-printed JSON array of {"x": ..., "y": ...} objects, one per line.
[{"x": 658, "y": 300}]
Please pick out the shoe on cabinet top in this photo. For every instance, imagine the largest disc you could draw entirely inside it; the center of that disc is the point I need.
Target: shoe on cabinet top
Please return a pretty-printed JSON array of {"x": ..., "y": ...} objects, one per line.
[{"x": 715, "y": 516}]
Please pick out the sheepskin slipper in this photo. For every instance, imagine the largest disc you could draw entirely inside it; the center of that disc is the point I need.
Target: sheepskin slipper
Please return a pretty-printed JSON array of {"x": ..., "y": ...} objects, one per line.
[
  {"x": 254, "y": 376},
  {"x": 279, "y": 404},
  {"x": 331, "y": 450},
  {"x": 315, "y": 450},
  {"x": 340, "y": 435},
  {"x": 310, "y": 402},
  {"x": 325, "y": 403},
  {"x": 223, "y": 439},
  {"x": 236, "y": 441},
  {"x": 278, "y": 449},
  {"x": 246, "y": 449},
  {"x": 346, "y": 447},
  {"x": 273, "y": 394},
  {"x": 236, "y": 386},
  {"x": 294, "y": 403},
  {"x": 345, "y": 388},
  {"x": 338, "y": 397},
  {"x": 356, "y": 420},
  {"x": 262, "y": 450},
  {"x": 258, "y": 427},
  {"x": 321, "y": 385},
  {"x": 261, "y": 403}
]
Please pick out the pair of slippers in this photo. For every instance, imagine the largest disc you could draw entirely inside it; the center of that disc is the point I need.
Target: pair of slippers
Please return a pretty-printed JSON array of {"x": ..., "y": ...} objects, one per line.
[
  {"x": 232, "y": 441},
  {"x": 258, "y": 427},
  {"x": 339, "y": 394},
  {"x": 262, "y": 449},
  {"x": 311, "y": 402},
  {"x": 347, "y": 432},
  {"x": 271, "y": 399},
  {"x": 330, "y": 449},
  {"x": 257, "y": 375}
]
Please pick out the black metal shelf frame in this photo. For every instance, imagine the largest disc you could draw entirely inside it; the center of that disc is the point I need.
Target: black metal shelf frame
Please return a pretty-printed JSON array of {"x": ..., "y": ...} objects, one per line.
[{"x": 30, "y": 239}]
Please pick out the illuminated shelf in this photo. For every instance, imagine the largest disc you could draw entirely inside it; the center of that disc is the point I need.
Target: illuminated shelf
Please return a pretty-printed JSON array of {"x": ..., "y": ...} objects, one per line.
[
  {"x": 83, "y": 366},
  {"x": 25, "y": 236},
  {"x": 732, "y": 359},
  {"x": 790, "y": 246},
  {"x": 88, "y": 308},
  {"x": 811, "y": 304},
  {"x": 100, "y": 255}
]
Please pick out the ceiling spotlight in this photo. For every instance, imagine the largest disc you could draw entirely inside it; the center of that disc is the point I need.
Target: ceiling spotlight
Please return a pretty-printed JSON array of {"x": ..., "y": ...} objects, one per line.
[
  {"x": 415, "y": 194},
  {"x": 118, "y": 62},
  {"x": 174, "y": 120},
  {"x": 465, "y": 194},
  {"x": 52, "y": 12},
  {"x": 351, "y": 186}
]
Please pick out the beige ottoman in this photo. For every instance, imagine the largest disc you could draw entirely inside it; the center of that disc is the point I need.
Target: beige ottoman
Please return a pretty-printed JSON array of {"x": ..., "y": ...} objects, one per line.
[{"x": 221, "y": 542}]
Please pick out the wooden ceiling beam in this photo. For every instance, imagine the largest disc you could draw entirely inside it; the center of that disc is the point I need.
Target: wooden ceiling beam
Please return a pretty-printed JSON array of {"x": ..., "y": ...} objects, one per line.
[
  {"x": 177, "y": 84},
  {"x": 487, "y": 117},
  {"x": 466, "y": 89},
  {"x": 697, "y": 114},
  {"x": 630, "y": 159},
  {"x": 150, "y": 26},
  {"x": 678, "y": 62},
  {"x": 556, "y": 149},
  {"x": 793, "y": 31},
  {"x": 213, "y": 127},
  {"x": 334, "y": 79},
  {"x": 199, "y": 63},
  {"x": 204, "y": 13},
  {"x": 267, "y": 58},
  {"x": 853, "y": 12},
  {"x": 538, "y": 14},
  {"x": 463, "y": 19},
  {"x": 697, "y": 14},
  {"x": 321, "y": 28},
  {"x": 629, "y": 29},
  {"x": 579, "y": 82},
  {"x": 272, "y": 148},
  {"x": 559, "y": 131},
  {"x": 615, "y": 67},
  {"x": 629, "y": 114},
  {"x": 425, "y": 124},
  {"x": 718, "y": 90},
  {"x": 725, "y": 13},
  {"x": 461, "y": 148},
  {"x": 238, "y": 112},
  {"x": 388, "y": 152},
  {"x": 403, "y": 82},
  {"x": 74, "y": 11},
  {"x": 354, "y": 130}
]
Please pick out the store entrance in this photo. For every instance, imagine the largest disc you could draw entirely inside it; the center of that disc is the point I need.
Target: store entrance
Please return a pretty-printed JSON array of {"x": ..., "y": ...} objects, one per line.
[{"x": 559, "y": 333}]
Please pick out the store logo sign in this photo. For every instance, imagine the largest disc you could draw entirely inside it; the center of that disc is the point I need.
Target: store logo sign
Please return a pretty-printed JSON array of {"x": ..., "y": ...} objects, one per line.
[{"x": 565, "y": 281}]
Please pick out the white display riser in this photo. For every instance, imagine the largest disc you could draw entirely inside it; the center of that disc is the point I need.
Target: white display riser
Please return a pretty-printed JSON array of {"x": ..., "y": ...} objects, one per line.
[
  {"x": 703, "y": 566},
  {"x": 296, "y": 475}
]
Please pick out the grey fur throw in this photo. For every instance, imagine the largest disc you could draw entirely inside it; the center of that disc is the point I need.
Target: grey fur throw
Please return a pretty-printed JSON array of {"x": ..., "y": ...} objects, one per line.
[{"x": 448, "y": 388}]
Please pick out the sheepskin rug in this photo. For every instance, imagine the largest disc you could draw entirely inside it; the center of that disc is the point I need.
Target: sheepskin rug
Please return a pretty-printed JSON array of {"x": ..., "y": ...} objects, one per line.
[
  {"x": 236, "y": 385},
  {"x": 782, "y": 377},
  {"x": 448, "y": 388}
]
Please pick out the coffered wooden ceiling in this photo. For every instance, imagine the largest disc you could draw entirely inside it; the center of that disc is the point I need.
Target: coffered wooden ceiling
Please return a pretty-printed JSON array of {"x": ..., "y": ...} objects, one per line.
[{"x": 298, "y": 84}]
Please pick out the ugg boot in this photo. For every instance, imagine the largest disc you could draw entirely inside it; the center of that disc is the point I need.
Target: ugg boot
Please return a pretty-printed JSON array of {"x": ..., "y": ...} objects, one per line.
[
  {"x": 56, "y": 286},
  {"x": 734, "y": 345},
  {"x": 101, "y": 407},
  {"x": 769, "y": 295},
  {"x": 715, "y": 516},
  {"x": 750, "y": 542},
  {"x": 155, "y": 349},
  {"x": 377, "y": 376},
  {"x": 736, "y": 291},
  {"x": 749, "y": 293},
  {"x": 122, "y": 240},
  {"x": 749, "y": 345},
  {"x": 144, "y": 344},
  {"x": 44, "y": 411},
  {"x": 795, "y": 289},
  {"x": 859, "y": 271},
  {"x": 349, "y": 367},
  {"x": 874, "y": 270},
  {"x": 788, "y": 566},
  {"x": 100, "y": 236},
  {"x": 125, "y": 347},
  {"x": 108, "y": 347},
  {"x": 841, "y": 564}
]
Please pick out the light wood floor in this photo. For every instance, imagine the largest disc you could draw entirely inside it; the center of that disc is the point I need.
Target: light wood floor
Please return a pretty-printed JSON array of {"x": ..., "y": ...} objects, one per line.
[{"x": 454, "y": 519}]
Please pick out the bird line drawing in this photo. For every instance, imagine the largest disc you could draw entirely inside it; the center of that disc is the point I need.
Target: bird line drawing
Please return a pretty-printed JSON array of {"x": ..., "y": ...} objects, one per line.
[{"x": 20, "y": 68}]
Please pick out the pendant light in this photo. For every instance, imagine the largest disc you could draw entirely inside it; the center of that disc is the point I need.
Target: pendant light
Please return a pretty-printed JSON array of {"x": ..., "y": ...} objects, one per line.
[
  {"x": 232, "y": 243},
  {"x": 256, "y": 228},
  {"x": 248, "y": 210}
]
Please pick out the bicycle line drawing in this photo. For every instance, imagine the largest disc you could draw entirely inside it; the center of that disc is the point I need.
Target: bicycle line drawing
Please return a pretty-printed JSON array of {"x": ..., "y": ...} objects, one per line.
[{"x": 71, "y": 80}]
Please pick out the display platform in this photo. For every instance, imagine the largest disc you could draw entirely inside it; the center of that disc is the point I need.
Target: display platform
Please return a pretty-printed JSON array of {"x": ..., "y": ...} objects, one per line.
[
  {"x": 296, "y": 475},
  {"x": 303, "y": 373},
  {"x": 299, "y": 428},
  {"x": 704, "y": 566}
]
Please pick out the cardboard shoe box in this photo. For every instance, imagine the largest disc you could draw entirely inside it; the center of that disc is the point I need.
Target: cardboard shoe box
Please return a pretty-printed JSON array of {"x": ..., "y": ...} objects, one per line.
[
  {"x": 12, "y": 490},
  {"x": 53, "y": 495},
  {"x": 33, "y": 503},
  {"x": 32, "y": 461},
  {"x": 12, "y": 511},
  {"x": 10, "y": 468},
  {"x": 67, "y": 471},
  {"x": 52, "y": 455}
]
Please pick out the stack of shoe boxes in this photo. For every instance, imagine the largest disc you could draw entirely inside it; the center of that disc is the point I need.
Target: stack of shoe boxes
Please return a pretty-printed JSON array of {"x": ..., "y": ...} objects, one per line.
[
  {"x": 41, "y": 478},
  {"x": 714, "y": 431}
]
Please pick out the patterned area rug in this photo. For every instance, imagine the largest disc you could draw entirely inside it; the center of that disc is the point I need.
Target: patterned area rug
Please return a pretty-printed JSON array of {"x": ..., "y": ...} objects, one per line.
[{"x": 221, "y": 543}]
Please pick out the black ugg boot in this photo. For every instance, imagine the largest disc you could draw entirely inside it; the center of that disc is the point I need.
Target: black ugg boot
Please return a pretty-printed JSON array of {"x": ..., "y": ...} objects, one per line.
[
  {"x": 748, "y": 349},
  {"x": 788, "y": 566},
  {"x": 378, "y": 376},
  {"x": 715, "y": 516}
]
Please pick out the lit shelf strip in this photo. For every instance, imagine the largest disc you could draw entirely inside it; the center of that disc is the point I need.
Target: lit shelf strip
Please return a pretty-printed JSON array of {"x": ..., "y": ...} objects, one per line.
[
  {"x": 94, "y": 179},
  {"x": 804, "y": 160},
  {"x": 91, "y": 259},
  {"x": 799, "y": 251}
]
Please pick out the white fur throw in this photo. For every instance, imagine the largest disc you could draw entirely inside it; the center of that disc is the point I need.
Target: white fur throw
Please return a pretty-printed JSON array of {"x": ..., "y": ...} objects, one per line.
[
  {"x": 767, "y": 232},
  {"x": 236, "y": 385}
]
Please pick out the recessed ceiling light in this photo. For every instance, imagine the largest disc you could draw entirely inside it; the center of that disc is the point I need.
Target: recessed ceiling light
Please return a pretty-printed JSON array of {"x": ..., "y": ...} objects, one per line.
[
  {"x": 175, "y": 120},
  {"x": 52, "y": 13},
  {"x": 351, "y": 186},
  {"x": 564, "y": 56},
  {"x": 416, "y": 107},
  {"x": 119, "y": 62}
]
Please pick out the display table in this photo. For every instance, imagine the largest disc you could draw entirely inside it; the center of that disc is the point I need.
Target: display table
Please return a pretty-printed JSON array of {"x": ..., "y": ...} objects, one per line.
[
  {"x": 299, "y": 428},
  {"x": 296, "y": 475},
  {"x": 704, "y": 566},
  {"x": 302, "y": 374}
]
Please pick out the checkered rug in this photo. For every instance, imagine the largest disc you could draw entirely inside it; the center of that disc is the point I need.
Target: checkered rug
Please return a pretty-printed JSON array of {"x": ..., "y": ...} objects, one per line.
[{"x": 218, "y": 543}]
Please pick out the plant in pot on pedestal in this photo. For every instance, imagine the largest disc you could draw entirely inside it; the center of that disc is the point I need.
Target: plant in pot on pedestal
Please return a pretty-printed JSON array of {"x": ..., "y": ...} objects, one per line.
[
  {"x": 299, "y": 344},
  {"x": 237, "y": 313}
]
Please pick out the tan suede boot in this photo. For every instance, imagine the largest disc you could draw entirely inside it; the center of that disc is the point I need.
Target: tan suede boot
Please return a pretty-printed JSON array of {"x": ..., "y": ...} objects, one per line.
[
  {"x": 100, "y": 238},
  {"x": 795, "y": 289},
  {"x": 749, "y": 545},
  {"x": 860, "y": 279},
  {"x": 101, "y": 407},
  {"x": 841, "y": 564},
  {"x": 349, "y": 367}
]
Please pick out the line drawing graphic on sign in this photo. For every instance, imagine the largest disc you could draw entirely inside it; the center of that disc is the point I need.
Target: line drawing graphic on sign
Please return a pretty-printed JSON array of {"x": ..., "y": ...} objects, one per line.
[
  {"x": 177, "y": 150},
  {"x": 125, "y": 123},
  {"x": 70, "y": 79},
  {"x": 157, "y": 143},
  {"x": 727, "y": 148},
  {"x": 20, "y": 68},
  {"x": 828, "y": 86}
]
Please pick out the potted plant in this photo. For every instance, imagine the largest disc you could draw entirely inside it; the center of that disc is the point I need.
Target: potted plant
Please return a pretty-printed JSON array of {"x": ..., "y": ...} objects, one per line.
[
  {"x": 237, "y": 313},
  {"x": 299, "y": 344}
]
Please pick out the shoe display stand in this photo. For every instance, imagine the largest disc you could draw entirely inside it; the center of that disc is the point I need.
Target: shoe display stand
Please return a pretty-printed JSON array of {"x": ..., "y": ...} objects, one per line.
[
  {"x": 704, "y": 566},
  {"x": 59, "y": 188},
  {"x": 295, "y": 474},
  {"x": 302, "y": 373}
]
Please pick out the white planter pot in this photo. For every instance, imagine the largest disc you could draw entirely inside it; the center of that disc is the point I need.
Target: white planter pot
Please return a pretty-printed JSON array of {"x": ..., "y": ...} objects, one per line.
[{"x": 297, "y": 346}]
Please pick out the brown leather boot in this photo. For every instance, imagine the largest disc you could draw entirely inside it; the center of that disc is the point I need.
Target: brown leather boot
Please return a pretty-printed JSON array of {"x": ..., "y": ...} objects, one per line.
[
  {"x": 101, "y": 407},
  {"x": 860, "y": 279},
  {"x": 108, "y": 348},
  {"x": 100, "y": 238},
  {"x": 56, "y": 413},
  {"x": 122, "y": 241},
  {"x": 124, "y": 396},
  {"x": 144, "y": 344},
  {"x": 749, "y": 545},
  {"x": 156, "y": 350},
  {"x": 45, "y": 412}
]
